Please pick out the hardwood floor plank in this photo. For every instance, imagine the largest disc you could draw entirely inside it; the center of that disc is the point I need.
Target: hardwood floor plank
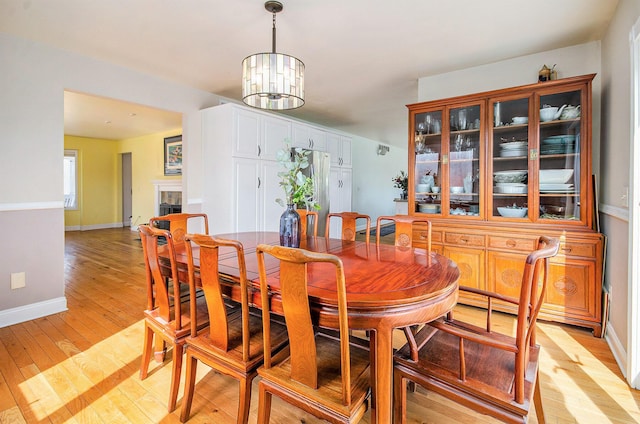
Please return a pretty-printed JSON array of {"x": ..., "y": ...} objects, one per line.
[{"x": 81, "y": 366}]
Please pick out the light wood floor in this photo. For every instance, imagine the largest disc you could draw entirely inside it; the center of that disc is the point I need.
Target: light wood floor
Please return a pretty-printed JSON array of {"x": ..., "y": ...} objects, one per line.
[{"x": 81, "y": 366}]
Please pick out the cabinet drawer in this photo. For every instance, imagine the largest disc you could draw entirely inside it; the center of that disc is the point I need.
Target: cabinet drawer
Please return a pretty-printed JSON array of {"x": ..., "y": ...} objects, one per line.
[
  {"x": 464, "y": 239},
  {"x": 577, "y": 249},
  {"x": 420, "y": 234},
  {"x": 512, "y": 243}
]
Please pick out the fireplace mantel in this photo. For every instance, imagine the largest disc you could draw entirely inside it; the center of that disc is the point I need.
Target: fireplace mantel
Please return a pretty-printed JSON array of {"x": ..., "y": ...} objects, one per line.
[{"x": 164, "y": 186}]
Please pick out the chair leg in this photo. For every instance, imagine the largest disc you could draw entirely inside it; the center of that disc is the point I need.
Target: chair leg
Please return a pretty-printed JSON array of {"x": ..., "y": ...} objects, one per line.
[
  {"x": 244, "y": 400},
  {"x": 537, "y": 401},
  {"x": 176, "y": 369},
  {"x": 264, "y": 404},
  {"x": 189, "y": 387},
  {"x": 146, "y": 351},
  {"x": 399, "y": 398},
  {"x": 160, "y": 351}
]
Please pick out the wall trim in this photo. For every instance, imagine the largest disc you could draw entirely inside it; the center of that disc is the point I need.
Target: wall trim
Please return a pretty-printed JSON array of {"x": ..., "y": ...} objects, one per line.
[
  {"x": 6, "y": 207},
  {"x": 94, "y": 227},
  {"x": 32, "y": 311},
  {"x": 615, "y": 211},
  {"x": 619, "y": 353}
]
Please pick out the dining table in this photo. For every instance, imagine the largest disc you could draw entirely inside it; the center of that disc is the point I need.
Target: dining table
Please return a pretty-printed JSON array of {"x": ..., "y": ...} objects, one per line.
[{"x": 388, "y": 287}]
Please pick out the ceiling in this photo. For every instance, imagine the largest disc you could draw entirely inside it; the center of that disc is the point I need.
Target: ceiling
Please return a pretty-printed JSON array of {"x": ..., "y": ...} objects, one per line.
[{"x": 363, "y": 57}]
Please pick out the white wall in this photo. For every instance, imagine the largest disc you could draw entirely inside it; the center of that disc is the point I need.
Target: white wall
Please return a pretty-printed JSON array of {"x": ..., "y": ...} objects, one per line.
[
  {"x": 373, "y": 190},
  {"x": 32, "y": 83},
  {"x": 616, "y": 170}
]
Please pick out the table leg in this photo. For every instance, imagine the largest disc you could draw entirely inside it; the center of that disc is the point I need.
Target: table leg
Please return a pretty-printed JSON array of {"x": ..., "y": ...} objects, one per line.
[{"x": 382, "y": 375}]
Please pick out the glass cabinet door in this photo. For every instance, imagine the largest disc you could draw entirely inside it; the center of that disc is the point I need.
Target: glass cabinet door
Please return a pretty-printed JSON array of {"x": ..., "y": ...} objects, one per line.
[
  {"x": 509, "y": 159},
  {"x": 464, "y": 148},
  {"x": 428, "y": 164},
  {"x": 559, "y": 182}
]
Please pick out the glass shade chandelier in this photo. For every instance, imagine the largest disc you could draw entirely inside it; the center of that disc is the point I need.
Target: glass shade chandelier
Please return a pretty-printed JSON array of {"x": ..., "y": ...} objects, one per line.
[{"x": 273, "y": 81}]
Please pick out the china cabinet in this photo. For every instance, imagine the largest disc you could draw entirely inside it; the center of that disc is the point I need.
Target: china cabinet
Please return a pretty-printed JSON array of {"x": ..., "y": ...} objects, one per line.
[{"x": 495, "y": 170}]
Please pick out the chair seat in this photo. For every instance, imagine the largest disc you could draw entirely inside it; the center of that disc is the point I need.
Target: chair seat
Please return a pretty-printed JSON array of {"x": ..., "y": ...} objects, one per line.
[
  {"x": 203, "y": 348},
  {"x": 489, "y": 371},
  {"x": 329, "y": 393},
  {"x": 160, "y": 323}
]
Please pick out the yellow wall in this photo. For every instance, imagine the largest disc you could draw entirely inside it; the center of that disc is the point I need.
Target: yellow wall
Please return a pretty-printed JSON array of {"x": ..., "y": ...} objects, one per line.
[
  {"x": 99, "y": 199},
  {"x": 147, "y": 164},
  {"x": 100, "y": 178}
]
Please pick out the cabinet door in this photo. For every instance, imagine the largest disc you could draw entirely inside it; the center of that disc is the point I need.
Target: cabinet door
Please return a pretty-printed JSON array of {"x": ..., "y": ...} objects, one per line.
[
  {"x": 471, "y": 265},
  {"x": 428, "y": 162},
  {"x": 464, "y": 172},
  {"x": 505, "y": 273},
  {"x": 339, "y": 148},
  {"x": 511, "y": 152},
  {"x": 246, "y": 133},
  {"x": 275, "y": 132},
  {"x": 562, "y": 179},
  {"x": 339, "y": 195},
  {"x": 308, "y": 137},
  {"x": 571, "y": 289},
  {"x": 246, "y": 194},
  {"x": 270, "y": 190}
]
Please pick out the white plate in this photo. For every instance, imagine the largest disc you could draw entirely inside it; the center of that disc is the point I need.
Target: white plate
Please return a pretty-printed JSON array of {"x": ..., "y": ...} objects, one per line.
[
  {"x": 513, "y": 153},
  {"x": 555, "y": 176},
  {"x": 511, "y": 190},
  {"x": 510, "y": 185},
  {"x": 556, "y": 186},
  {"x": 514, "y": 145}
]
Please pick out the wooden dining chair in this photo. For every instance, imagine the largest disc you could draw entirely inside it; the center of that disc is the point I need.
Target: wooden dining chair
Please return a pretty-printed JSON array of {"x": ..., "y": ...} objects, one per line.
[
  {"x": 488, "y": 371},
  {"x": 180, "y": 223},
  {"x": 404, "y": 230},
  {"x": 349, "y": 219},
  {"x": 233, "y": 343},
  {"x": 168, "y": 313},
  {"x": 321, "y": 373},
  {"x": 305, "y": 215}
]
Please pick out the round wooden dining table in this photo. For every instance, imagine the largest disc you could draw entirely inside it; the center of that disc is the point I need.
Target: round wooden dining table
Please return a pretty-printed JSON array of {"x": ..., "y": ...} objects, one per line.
[{"x": 388, "y": 287}]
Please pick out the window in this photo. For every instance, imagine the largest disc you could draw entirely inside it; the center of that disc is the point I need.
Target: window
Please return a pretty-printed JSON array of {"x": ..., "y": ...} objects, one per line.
[{"x": 70, "y": 179}]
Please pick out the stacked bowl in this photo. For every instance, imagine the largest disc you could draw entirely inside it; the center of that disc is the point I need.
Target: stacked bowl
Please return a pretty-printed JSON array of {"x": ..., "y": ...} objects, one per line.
[{"x": 513, "y": 149}]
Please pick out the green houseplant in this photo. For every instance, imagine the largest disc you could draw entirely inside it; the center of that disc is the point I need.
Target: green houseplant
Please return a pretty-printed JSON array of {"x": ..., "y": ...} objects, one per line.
[{"x": 298, "y": 192}]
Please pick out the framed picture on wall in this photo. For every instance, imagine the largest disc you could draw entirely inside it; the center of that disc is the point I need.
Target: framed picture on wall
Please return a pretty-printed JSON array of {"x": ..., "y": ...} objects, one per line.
[{"x": 173, "y": 155}]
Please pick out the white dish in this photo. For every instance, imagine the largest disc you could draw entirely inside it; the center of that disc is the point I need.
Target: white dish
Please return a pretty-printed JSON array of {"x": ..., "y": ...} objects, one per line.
[
  {"x": 513, "y": 153},
  {"x": 555, "y": 176},
  {"x": 429, "y": 208},
  {"x": 457, "y": 189},
  {"x": 520, "y": 119},
  {"x": 512, "y": 212},
  {"x": 555, "y": 186},
  {"x": 514, "y": 145},
  {"x": 511, "y": 176},
  {"x": 511, "y": 189},
  {"x": 510, "y": 185}
]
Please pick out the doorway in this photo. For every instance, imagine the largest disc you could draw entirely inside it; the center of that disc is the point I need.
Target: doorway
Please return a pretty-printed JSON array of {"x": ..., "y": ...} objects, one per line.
[{"x": 127, "y": 190}]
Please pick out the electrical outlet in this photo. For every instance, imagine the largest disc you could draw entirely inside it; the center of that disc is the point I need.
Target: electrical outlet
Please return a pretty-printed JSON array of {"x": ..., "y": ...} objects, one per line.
[
  {"x": 624, "y": 198},
  {"x": 18, "y": 280}
]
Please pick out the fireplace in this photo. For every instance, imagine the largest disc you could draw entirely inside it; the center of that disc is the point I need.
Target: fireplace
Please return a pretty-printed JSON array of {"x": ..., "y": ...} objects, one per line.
[{"x": 168, "y": 197}]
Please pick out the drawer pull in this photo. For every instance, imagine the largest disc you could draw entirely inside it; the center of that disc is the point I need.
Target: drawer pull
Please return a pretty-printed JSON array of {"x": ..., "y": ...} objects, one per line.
[
  {"x": 423, "y": 236},
  {"x": 464, "y": 240},
  {"x": 511, "y": 243},
  {"x": 566, "y": 249}
]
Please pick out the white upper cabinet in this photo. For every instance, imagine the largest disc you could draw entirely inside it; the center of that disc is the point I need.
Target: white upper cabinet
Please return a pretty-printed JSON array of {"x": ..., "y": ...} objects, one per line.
[
  {"x": 339, "y": 147},
  {"x": 275, "y": 131},
  {"x": 258, "y": 136},
  {"x": 308, "y": 137}
]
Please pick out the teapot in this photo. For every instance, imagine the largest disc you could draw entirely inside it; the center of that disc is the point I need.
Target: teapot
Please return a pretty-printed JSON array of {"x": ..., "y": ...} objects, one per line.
[
  {"x": 570, "y": 112},
  {"x": 550, "y": 113}
]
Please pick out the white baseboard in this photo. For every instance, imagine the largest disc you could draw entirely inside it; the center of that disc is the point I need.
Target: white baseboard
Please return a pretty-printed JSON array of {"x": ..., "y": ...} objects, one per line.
[
  {"x": 32, "y": 311},
  {"x": 94, "y": 227},
  {"x": 619, "y": 353}
]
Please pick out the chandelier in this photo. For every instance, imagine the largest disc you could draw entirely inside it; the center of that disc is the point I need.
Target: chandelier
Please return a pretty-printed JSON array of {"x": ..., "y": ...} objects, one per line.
[{"x": 273, "y": 81}]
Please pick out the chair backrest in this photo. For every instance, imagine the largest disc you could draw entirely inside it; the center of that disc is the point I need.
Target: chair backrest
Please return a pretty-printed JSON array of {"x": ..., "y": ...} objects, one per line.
[
  {"x": 179, "y": 223},
  {"x": 404, "y": 229},
  {"x": 305, "y": 215},
  {"x": 210, "y": 283},
  {"x": 532, "y": 291},
  {"x": 158, "y": 295},
  {"x": 297, "y": 312},
  {"x": 348, "y": 231}
]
